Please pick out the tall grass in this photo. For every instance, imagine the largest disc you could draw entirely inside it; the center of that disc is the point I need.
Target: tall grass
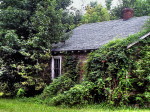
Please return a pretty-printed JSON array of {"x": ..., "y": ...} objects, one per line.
[{"x": 15, "y": 105}]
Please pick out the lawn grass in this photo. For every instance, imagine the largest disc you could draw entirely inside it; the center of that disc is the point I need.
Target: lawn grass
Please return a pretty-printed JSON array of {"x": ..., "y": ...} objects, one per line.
[{"x": 14, "y": 105}]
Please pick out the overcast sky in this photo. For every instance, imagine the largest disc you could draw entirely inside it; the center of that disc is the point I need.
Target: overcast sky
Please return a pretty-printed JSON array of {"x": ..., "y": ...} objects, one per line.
[{"x": 78, "y": 3}]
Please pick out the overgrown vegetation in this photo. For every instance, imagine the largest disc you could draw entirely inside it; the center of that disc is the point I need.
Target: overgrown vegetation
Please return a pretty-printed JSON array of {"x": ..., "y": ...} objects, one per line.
[
  {"x": 64, "y": 82},
  {"x": 113, "y": 74},
  {"x": 118, "y": 72},
  {"x": 28, "y": 28},
  {"x": 95, "y": 13},
  {"x": 140, "y": 7},
  {"x": 79, "y": 94}
]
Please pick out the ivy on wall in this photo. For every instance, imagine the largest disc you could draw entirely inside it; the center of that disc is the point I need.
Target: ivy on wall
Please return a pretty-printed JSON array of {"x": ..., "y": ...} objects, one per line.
[
  {"x": 70, "y": 66},
  {"x": 65, "y": 81},
  {"x": 119, "y": 72},
  {"x": 113, "y": 74}
]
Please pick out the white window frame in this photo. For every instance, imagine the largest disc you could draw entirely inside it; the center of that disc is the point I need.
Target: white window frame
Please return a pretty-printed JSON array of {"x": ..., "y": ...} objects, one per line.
[{"x": 52, "y": 65}]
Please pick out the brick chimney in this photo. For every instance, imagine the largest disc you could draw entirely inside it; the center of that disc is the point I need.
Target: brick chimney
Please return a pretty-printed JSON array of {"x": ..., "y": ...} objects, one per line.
[{"x": 127, "y": 13}]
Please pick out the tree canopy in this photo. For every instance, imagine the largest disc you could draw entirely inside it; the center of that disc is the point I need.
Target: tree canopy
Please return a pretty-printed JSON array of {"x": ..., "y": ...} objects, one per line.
[
  {"x": 108, "y": 4},
  {"x": 28, "y": 30},
  {"x": 141, "y": 8},
  {"x": 95, "y": 14}
]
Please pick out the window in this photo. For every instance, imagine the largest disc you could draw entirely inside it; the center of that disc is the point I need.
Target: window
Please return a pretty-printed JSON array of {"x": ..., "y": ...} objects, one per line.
[{"x": 56, "y": 66}]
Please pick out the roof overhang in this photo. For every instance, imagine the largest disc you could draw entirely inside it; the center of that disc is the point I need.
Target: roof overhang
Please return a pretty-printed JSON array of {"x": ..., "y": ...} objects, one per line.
[{"x": 141, "y": 38}]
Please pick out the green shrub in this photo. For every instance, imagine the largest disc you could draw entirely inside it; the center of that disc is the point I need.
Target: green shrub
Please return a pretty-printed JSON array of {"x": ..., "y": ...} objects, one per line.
[
  {"x": 65, "y": 81},
  {"x": 20, "y": 92},
  {"x": 79, "y": 94},
  {"x": 59, "y": 85},
  {"x": 4, "y": 90}
]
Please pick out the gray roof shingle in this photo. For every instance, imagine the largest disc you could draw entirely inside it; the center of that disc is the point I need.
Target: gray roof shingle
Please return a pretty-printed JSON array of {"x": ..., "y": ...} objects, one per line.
[{"x": 93, "y": 35}]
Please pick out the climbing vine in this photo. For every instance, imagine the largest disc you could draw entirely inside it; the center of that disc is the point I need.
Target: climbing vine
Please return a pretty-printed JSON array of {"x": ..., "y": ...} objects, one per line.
[
  {"x": 70, "y": 65},
  {"x": 121, "y": 74},
  {"x": 65, "y": 81},
  {"x": 113, "y": 74}
]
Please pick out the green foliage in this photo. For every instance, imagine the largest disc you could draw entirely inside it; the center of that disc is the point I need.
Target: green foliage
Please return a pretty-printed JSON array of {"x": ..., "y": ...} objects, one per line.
[
  {"x": 95, "y": 14},
  {"x": 78, "y": 17},
  {"x": 59, "y": 85},
  {"x": 28, "y": 29},
  {"x": 93, "y": 4},
  {"x": 70, "y": 67},
  {"x": 20, "y": 92},
  {"x": 121, "y": 74},
  {"x": 15, "y": 15},
  {"x": 71, "y": 20},
  {"x": 64, "y": 82},
  {"x": 63, "y": 4},
  {"x": 68, "y": 20},
  {"x": 47, "y": 24},
  {"x": 79, "y": 94},
  {"x": 15, "y": 70},
  {"x": 108, "y": 4},
  {"x": 114, "y": 74},
  {"x": 141, "y": 8}
]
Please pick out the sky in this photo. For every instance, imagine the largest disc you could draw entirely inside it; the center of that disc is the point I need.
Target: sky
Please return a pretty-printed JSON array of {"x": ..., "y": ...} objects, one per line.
[{"x": 78, "y": 3}]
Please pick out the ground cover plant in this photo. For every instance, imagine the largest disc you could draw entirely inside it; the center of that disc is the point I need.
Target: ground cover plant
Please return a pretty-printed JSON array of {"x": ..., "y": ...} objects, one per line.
[{"x": 20, "y": 105}]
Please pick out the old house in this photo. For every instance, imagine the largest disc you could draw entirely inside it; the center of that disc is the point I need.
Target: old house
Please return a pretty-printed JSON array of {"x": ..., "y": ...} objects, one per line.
[{"x": 89, "y": 37}]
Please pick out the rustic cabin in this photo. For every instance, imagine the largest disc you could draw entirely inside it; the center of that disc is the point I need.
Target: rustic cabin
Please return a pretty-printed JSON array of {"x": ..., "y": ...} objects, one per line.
[{"x": 89, "y": 37}]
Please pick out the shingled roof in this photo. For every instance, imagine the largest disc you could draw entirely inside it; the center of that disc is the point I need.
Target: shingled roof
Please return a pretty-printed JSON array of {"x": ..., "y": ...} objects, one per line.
[{"x": 93, "y": 35}]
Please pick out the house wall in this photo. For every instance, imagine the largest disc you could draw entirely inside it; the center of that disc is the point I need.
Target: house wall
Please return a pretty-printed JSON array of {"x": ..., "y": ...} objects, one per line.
[{"x": 81, "y": 57}]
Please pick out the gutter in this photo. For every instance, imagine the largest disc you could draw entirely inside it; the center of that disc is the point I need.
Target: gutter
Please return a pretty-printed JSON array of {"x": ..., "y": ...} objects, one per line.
[{"x": 141, "y": 38}]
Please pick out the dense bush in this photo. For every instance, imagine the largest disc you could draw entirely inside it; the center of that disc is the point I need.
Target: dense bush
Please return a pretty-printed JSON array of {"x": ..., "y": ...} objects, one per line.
[
  {"x": 79, "y": 94},
  {"x": 64, "y": 82},
  {"x": 28, "y": 28},
  {"x": 59, "y": 85}
]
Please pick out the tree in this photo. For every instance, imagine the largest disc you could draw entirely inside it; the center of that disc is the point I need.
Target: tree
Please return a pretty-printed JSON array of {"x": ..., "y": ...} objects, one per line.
[
  {"x": 28, "y": 30},
  {"x": 71, "y": 19},
  {"x": 93, "y": 4},
  {"x": 108, "y": 4},
  {"x": 63, "y": 3},
  {"x": 15, "y": 15},
  {"x": 141, "y": 8},
  {"x": 77, "y": 17},
  {"x": 95, "y": 14},
  {"x": 47, "y": 24}
]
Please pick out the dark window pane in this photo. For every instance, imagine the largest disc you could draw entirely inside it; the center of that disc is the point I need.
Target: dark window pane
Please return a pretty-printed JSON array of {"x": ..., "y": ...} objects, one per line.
[{"x": 56, "y": 67}]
